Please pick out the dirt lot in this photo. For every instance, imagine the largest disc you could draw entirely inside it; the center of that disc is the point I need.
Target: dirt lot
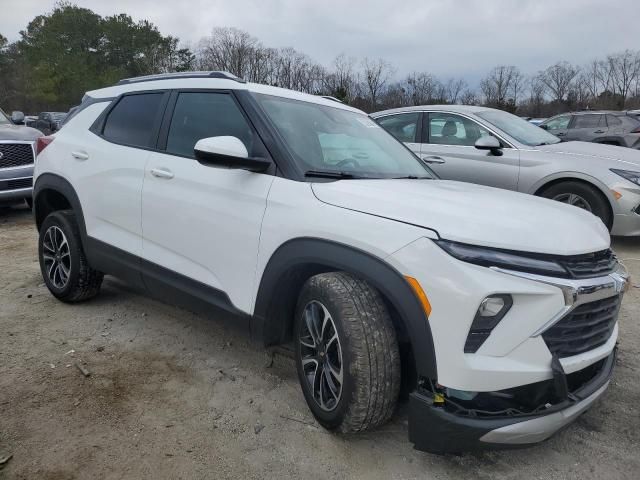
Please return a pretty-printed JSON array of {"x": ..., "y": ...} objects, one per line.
[{"x": 177, "y": 395}]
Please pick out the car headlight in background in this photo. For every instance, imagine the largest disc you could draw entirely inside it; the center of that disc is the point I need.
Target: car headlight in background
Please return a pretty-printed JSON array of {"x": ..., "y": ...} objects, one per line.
[
  {"x": 633, "y": 177},
  {"x": 491, "y": 310},
  {"x": 491, "y": 257}
]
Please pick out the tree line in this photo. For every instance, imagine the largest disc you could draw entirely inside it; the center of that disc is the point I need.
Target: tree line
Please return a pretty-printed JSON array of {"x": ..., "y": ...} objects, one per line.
[{"x": 70, "y": 50}]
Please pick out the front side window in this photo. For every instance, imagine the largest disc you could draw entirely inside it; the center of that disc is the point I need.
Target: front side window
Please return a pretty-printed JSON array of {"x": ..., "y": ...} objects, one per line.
[
  {"x": 450, "y": 129},
  {"x": 340, "y": 141},
  {"x": 588, "y": 121},
  {"x": 403, "y": 126},
  {"x": 199, "y": 115},
  {"x": 3, "y": 119},
  {"x": 559, "y": 123},
  {"x": 132, "y": 120}
]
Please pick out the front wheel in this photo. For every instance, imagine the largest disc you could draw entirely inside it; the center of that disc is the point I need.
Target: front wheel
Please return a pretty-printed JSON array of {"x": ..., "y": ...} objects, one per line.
[
  {"x": 582, "y": 196},
  {"x": 347, "y": 354},
  {"x": 63, "y": 264}
]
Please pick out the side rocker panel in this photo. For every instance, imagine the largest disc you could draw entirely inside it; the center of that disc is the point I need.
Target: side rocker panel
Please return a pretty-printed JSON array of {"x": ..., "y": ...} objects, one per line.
[{"x": 327, "y": 255}]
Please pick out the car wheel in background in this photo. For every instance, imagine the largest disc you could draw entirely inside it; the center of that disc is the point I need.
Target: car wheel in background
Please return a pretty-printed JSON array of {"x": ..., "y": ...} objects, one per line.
[
  {"x": 63, "y": 264},
  {"x": 346, "y": 353},
  {"x": 583, "y": 196}
]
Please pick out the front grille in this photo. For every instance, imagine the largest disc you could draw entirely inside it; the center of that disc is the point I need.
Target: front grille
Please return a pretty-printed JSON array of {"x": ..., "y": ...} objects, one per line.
[
  {"x": 586, "y": 327},
  {"x": 591, "y": 264},
  {"x": 15, "y": 154},
  {"x": 16, "y": 184}
]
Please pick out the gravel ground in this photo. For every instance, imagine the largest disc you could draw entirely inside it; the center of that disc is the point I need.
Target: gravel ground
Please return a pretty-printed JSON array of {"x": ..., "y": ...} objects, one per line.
[{"x": 175, "y": 395}]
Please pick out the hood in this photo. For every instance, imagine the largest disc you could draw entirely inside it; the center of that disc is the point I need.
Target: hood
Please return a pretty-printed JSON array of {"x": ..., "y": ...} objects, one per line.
[
  {"x": 596, "y": 152},
  {"x": 19, "y": 132},
  {"x": 473, "y": 214}
]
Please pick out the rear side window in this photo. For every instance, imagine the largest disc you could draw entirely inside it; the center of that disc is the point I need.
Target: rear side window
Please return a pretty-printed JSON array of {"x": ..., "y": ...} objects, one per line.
[
  {"x": 613, "y": 121},
  {"x": 403, "y": 126},
  {"x": 199, "y": 115},
  {"x": 588, "y": 121},
  {"x": 132, "y": 120}
]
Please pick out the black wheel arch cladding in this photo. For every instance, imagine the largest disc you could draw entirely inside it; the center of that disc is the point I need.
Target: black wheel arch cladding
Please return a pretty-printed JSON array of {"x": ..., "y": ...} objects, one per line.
[{"x": 298, "y": 259}]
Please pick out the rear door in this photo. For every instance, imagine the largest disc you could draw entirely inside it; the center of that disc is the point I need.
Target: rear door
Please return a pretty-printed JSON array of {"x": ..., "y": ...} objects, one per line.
[
  {"x": 107, "y": 168},
  {"x": 405, "y": 127},
  {"x": 203, "y": 222},
  {"x": 587, "y": 127},
  {"x": 448, "y": 146}
]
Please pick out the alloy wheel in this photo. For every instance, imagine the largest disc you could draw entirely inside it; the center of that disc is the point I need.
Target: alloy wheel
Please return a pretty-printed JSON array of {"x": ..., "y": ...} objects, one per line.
[
  {"x": 573, "y": 199},
  {"x": 56, "y": 256},
  {"x": 321, "y": 355}
]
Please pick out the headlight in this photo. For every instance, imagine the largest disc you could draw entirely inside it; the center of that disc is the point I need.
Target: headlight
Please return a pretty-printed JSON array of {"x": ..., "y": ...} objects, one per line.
[
  {"x": 492, "y": 257},
  {"x": 633, "y": 177}
]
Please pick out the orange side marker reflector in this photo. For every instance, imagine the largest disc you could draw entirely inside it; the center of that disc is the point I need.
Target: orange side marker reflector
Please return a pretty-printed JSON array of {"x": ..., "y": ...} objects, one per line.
[
  {"x": 417, "y": 289},
  {"x": 618, "y": 195}
]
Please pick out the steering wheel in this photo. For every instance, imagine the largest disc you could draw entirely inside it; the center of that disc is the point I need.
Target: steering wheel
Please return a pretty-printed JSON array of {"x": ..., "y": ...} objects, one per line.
[{"x": 347, "y": 161}]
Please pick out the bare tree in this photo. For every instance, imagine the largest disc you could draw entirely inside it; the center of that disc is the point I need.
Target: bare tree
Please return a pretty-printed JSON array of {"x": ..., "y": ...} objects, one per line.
[
  {"x": 376, "y": 74},
  {"x": 229, "y": 49},
  {"x": 502, "y": 85},
  {"x": 469, "y": 97},
  {"x": 558, "y": 79},
  {"x": 341, "y": 81},
  {"x": 454, "y": 89},
  {"x": 624, "y": 68},
  {"x": 422, "y": 88}
]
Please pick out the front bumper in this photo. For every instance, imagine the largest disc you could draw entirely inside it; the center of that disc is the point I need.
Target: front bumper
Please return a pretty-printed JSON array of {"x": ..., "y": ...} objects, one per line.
[{"x": 436, "y": 430}]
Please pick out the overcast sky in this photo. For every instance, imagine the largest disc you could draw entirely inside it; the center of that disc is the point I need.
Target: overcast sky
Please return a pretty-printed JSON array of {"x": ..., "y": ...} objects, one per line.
[{"x": 445, "y": 37}]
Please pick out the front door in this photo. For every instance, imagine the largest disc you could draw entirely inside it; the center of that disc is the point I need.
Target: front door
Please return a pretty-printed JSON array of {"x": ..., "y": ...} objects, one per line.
[
  {"x": 449, "y": 148},
  {"x": 199, "y": 221}
]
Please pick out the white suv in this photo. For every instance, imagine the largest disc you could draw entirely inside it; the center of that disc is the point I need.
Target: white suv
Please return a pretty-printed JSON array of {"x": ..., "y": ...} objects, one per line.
[{"x": 494, "y": 312}]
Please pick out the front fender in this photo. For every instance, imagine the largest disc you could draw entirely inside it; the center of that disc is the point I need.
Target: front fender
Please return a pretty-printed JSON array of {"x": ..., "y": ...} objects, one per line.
[{"x": 315, "y": 255}]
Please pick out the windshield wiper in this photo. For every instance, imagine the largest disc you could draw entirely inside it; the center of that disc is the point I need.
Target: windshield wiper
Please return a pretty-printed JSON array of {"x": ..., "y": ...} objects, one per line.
[
  {"x": 413, "y": 177},
  {"x": 329, "y": 174}
]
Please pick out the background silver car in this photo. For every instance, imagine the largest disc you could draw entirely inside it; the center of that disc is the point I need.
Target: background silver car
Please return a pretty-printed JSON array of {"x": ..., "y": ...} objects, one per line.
[{"x": 491, "y": 147}]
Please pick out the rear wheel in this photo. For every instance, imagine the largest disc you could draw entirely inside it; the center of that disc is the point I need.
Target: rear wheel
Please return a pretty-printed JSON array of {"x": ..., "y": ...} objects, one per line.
[
  {"x": 582, "y": 196},
  {"x": 346, "y": 353},
  {"x": 63, "y": 264}
]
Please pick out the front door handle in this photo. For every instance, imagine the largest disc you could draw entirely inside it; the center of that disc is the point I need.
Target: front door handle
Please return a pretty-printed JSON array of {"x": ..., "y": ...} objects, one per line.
[
  {"x": 80, "y": 155},
  {"x": 599, "y": 131},
  {"x": 162, "y": 173},
  {"x": 432, "y": 159},
  {"x": 560, "y": 134}
]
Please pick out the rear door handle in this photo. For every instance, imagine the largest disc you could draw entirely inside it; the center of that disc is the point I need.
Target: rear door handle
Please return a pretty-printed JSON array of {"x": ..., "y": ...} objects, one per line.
[
  {"x": 599, "y": 131},
  {"x": 432, "y": 159},
  {"x": 80, "y": 155},
  {"x": 162, "y": 173}
]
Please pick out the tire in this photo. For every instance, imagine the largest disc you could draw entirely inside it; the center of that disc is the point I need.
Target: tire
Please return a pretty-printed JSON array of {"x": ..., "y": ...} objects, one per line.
[
  {"x": 369, "y": 360},
  {"x": 63, "y": 264},
  {"x": 596, "y": 202}
]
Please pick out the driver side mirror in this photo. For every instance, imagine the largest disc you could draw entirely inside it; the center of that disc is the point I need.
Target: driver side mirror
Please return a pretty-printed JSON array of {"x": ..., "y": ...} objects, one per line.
[
  {"x": 17, "y": 117},
  {"x": 227, "y": 151},
  {"x": 489, "y": 143},
  {"x": 544, "y": 127}
]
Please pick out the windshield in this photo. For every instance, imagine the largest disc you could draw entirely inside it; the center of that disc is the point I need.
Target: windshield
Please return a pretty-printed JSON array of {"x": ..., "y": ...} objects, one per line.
[
  {"x": 332, "y": 140},
  {"x": 520, "y": 129},
  {"x": 3, "y": 118}
]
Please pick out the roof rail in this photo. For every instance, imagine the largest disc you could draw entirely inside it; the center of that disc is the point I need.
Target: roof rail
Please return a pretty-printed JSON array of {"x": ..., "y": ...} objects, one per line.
[
  {"x": 172, "y": 76},
  {"x": 329, "y": 97}
]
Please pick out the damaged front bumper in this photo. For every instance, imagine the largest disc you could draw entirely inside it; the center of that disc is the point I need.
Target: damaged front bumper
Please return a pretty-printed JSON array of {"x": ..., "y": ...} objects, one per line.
[{"x": 435, "y": 427}]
